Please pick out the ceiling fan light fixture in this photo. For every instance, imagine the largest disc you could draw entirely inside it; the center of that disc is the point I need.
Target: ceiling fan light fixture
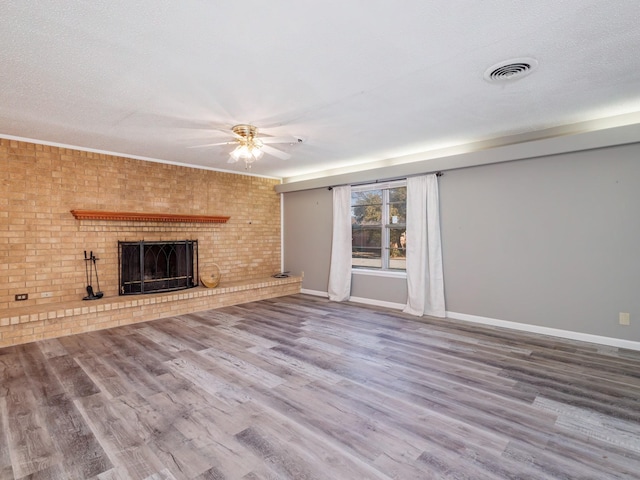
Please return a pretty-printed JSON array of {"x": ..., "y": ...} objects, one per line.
[
  {"x": 249, "y": 148},
  {"x": 239, "y": 152},
  {"x": 247, "y": 151},
  {"x": 256, "y": 152}
]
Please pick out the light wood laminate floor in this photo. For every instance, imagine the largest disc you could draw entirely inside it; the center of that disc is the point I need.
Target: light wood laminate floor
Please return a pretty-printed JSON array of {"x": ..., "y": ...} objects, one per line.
[{"x": 302, "y": 388}]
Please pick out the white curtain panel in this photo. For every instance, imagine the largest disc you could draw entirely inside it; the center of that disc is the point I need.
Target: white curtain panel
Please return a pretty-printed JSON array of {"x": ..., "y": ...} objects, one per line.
[
  {"x": 339, "y": 288},
  {"x": 425, "y": 278}
]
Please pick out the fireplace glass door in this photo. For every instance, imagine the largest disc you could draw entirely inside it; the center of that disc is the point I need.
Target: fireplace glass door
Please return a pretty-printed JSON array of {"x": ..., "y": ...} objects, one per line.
[{"x": 151, "y": 267}]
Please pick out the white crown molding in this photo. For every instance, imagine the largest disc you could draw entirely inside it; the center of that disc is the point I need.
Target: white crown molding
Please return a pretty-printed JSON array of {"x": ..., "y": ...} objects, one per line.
[{"x": 126, "y": 155}]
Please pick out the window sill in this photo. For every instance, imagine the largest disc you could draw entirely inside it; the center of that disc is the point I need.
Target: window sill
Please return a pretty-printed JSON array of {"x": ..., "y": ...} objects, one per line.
[{"x": 379, "y": 273}]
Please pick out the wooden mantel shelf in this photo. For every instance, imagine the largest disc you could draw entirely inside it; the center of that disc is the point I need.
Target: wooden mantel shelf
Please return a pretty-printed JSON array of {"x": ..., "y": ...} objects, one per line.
[{"x": 146, "y": 217}]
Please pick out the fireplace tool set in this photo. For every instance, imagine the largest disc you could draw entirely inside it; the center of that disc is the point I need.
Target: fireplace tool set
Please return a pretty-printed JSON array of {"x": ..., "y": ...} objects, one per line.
[{"x": 89, "y": 266}]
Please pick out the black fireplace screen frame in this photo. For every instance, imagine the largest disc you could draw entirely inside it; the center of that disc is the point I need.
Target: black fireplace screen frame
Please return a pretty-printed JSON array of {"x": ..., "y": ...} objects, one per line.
[{"x": 158, "y": 266}]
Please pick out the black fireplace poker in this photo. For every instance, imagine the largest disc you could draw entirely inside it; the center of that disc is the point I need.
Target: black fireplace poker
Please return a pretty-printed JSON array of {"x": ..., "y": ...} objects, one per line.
[{"x": 89, "y": 265}]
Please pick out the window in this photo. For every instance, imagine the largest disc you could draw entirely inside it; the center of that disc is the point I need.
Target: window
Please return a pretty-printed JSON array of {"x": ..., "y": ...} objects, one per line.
[{"x": 378, "y": 226}]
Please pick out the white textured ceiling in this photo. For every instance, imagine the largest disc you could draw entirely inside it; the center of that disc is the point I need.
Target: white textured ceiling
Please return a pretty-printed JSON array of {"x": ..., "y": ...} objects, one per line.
[{"x": 360, "y": 80}]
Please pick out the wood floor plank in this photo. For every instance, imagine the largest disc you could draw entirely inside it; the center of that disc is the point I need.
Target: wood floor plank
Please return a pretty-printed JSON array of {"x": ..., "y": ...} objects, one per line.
[
  {"x": 302, "y": 388},
  {"x": 196, "y": 370},
  {"x": 236, "y": 367},
  {"x": 593, "y": 424},
  {"x": 72, "y": 377},
  {"x": 63, "y": 422},
  {"x": 11, "y": 370},
  {"x": 52, "y": 348},
  {"x": 139, "y": 350},
  {"x": 132, "y": 334},
  {"x": 6, "y": 468},
  {"x": 31, "y": 445},
  {"x": 225, "y": 455},
  {"x": 109, "y": 428},
  {"x": 105, "y": 377}
]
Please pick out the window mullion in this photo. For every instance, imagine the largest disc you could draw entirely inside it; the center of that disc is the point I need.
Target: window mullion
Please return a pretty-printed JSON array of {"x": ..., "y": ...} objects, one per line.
[{"x": 385, "y": 230}]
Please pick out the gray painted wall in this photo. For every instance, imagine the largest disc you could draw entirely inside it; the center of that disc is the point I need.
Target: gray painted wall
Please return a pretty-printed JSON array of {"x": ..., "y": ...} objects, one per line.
[
  {"x": 552, "y": 242},
  {"x": 307, "y": 248},
  {"x": 307, "y": 226},
  {"x": 383, "y": 289}
]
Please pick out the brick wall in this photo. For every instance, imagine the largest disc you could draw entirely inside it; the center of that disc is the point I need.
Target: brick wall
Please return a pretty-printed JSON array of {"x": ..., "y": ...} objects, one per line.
[{"x": 42, "y": 245}]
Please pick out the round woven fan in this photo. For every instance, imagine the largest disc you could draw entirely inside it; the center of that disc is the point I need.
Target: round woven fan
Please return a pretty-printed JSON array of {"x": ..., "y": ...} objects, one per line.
[{"x": 212, "y": 279}]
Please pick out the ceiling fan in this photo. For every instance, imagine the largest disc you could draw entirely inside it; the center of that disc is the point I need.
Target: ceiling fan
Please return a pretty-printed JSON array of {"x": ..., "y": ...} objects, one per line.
[{"x": 250, "y": 147}]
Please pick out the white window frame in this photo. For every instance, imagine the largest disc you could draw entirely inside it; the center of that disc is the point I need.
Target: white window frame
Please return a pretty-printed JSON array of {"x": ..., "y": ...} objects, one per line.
[{"x": 383, "y": 271}]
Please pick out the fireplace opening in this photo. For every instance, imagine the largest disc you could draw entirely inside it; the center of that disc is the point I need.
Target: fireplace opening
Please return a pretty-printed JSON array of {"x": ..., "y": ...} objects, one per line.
[{"x": 152, "y": 267}]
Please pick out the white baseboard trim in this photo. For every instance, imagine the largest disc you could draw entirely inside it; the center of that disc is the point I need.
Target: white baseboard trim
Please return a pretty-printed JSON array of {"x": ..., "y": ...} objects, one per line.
[
  {"x": 378, "y": 303},
  {"x": 554, "y": 332},
  {"x": 366, "y": 301},
  {"x": 315, "y": 293},
  {"x": 524, "y": 327}
]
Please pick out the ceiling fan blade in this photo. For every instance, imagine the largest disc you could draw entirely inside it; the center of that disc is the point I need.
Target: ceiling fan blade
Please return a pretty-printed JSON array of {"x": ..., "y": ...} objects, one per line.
[
  {"x": 214, "y": 144},
  {"x": 232, "y": 160},
  {"x": 288, "y": 139},
  {"x": 275, "y": 152}
]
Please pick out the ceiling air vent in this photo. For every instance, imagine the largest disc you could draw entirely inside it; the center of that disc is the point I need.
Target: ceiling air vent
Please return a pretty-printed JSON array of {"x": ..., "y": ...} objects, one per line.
[{"x": 510, "y": 69}]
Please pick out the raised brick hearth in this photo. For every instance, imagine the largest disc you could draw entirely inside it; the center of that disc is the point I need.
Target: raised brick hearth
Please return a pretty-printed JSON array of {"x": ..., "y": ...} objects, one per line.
[{"x": 27, "y": 324}]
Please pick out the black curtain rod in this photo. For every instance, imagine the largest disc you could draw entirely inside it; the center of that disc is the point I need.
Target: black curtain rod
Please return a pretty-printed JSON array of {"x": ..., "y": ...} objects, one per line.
[{"x": 438, "y": 174}]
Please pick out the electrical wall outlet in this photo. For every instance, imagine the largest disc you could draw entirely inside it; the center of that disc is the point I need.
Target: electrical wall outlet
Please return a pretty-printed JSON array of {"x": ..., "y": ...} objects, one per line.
[
  {"x": 22, "y": 296},
  {"x": 46, "y": 294},
  {"x": 624, "y": 319}
]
